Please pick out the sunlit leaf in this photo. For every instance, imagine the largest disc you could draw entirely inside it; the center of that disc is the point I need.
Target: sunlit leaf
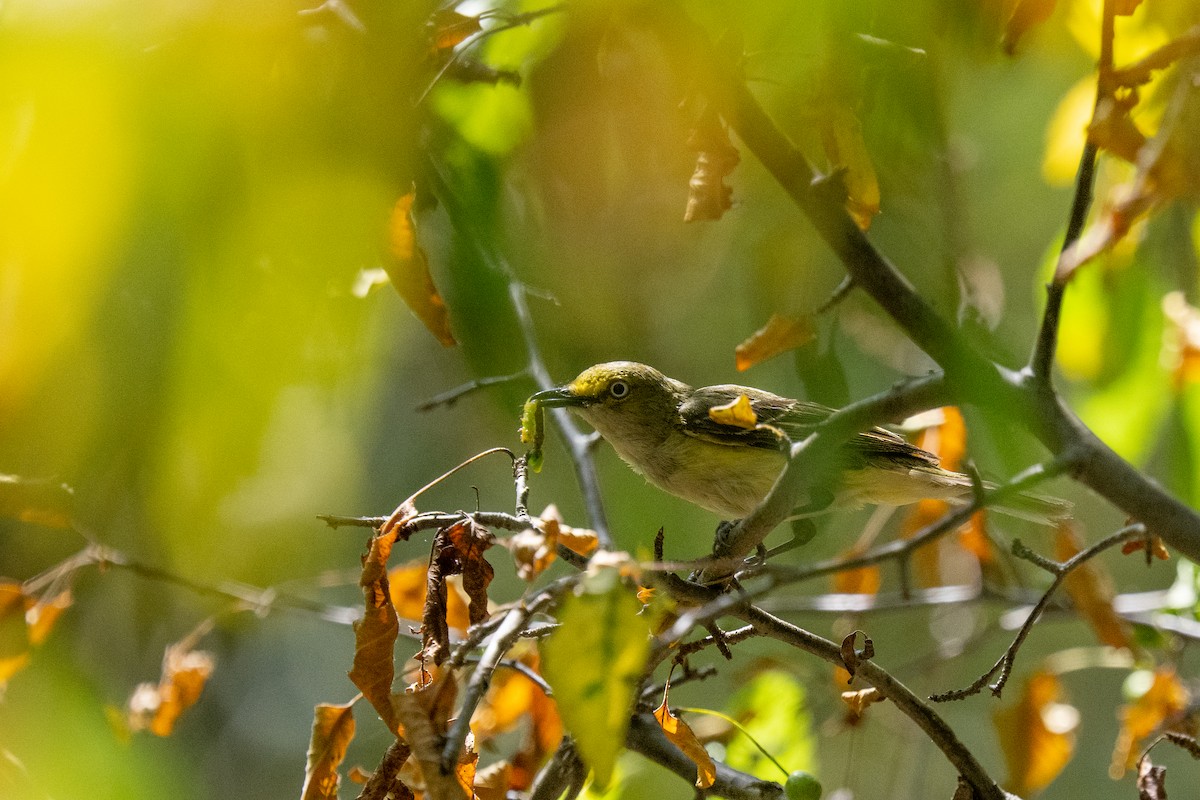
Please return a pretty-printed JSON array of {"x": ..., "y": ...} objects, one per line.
[
  {"x": 594, "y": 660},
  {"x": 779, "y": 335},
  {"x": 407, "y": 584},
  {"x": 184, "y": 674},
  {"x": 41, "y": 502},
  {"x": 1159, "y": 707},
  {"x": 1066, "y": 133},
  {"x": 408, "y": 268},
  {"x": 1181, "y": 344},
  {"x": 771, "y": 706},
  {"x": 737, "y": 413},
  {"x": 858, "y": 702},
  {"x": 1090, "y": 588},
  {"x": 708, "y": 196},
  {"x": 493, "y": 781},
  {"x": 375, "y": 634},
  {"x": 1026, "y": 15},
  {"x": 842, "y": 136},
  {"x": 424, "y": 715},
  {"x": 680, "y": 734},
  {"x": 332, "y": 730},
  {"x": 448, "y": 28},
  {"x": 1037, "y": 734}
]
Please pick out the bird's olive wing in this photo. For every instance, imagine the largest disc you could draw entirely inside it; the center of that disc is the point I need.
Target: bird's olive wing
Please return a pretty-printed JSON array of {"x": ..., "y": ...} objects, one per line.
[{"x": 795, "y": 419}]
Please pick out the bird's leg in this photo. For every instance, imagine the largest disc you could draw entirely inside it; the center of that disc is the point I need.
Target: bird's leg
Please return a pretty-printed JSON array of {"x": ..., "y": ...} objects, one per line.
[{"x": 801, "y": 523}]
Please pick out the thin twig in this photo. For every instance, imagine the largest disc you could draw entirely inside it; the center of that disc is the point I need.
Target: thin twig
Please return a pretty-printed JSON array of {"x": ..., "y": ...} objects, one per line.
[
  {"x": 578, "y": 443},
  {"x": 505, "y": 636},
  {"x": 1003, "y": 666},
  {"x": 452, "y": 396},
  {"x": 920, "y": 712},
  {"x": 899, "y": 549}
]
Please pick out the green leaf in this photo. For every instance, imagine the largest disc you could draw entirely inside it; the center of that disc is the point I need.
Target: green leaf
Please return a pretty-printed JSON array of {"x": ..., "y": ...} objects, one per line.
[
  {"x": 594, "y": 662},
  {"x": 772, "y": 709}
]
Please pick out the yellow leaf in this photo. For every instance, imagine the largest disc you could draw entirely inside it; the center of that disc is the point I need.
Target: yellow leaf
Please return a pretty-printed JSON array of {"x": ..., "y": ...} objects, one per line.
[
  {"x": 681, "y": 735},
  {"x": 1036, "y": 735},
  {"x": 1026, "y": 15},
  {"x": 1066, "y": 133},
  {"x": 408, "y": 586},
  {"x": 738, "y": 413},
  {"x": 333, "y": 728},
  {"x": 1161, "y": 706},
  {"x": 1091, "y": 590},
  {"x": 779, "y": 335},
  {"x": 861, "y": 580},
  {"x": 408, "y": 269},
  {"x": 845, "y": 148}
]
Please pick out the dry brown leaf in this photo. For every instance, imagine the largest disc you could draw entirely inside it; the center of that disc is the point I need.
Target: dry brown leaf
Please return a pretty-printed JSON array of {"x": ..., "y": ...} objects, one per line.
[
  {"x": 1091, "y": 590},
  {"x": 842, "y": 137},
  {"x": 157, "y": 708},
  {"x": 780, "y": 334},
  {"x": 737, "y": 413},
  {"x": 470, "y": 540},
  {"x": 408, "y": 269},
  {"x": 1037, "y": 735},
  {"x": 1112, "y": 128},
  {"x": 424, "y": 715},
  {"x": 708, "y": 196},
  {"x": 1026, "y": 15},
  {"x": 681, "y": 735},
  {"x": 493, "y": 781},
  {"x": 468, "y": 763},
  {"x": 448, "y": 28},
  {"x": 332, "y": 730},
  {"x": 375, "y": 634},
  {"x": 534, "y": 549},
  {"x": 1151, "y": 544},
  {"x": 1160, "y": 707},
  {"x": 858, "y": 702}
]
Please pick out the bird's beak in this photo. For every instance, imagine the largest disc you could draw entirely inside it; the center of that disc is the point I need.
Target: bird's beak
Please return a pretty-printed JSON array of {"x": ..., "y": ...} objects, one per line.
[{"x": 558, "y": 396}]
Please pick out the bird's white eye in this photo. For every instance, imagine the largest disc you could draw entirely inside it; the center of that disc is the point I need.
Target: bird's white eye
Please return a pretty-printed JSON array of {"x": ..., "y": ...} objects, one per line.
[{"x": 618, "y": 389}]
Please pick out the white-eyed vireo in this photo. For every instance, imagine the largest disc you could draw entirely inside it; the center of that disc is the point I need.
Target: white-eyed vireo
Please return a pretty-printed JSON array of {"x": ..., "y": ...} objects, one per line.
[{"x": 663, "y": 428}]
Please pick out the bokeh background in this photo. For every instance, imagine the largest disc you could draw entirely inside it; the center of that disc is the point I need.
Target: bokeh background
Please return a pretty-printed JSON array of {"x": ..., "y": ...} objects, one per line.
[{"x": 194, "y": 208}]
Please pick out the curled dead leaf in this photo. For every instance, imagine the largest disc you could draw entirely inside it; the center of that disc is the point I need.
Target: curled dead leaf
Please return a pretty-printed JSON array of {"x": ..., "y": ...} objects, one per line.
[
  {"x": 332, "y": 730},
  {"x": 779, "y": 335},
  {"x": 158, "y": 707}
]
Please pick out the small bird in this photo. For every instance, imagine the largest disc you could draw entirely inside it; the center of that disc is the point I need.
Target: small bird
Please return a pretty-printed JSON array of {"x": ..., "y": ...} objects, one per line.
[{"x": 664, "y": 430}]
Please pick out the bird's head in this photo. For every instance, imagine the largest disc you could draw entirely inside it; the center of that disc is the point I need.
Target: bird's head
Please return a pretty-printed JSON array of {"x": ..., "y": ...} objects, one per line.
[{"x": 623, "y": 400}]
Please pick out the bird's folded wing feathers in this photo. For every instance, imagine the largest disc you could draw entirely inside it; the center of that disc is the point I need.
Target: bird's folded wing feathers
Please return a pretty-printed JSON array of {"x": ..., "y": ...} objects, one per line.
[{"x": 797, "y": 419}]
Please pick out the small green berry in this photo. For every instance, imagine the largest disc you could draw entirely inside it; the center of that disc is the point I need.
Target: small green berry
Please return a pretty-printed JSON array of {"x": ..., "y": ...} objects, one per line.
[{"x": 802, "y": 785}]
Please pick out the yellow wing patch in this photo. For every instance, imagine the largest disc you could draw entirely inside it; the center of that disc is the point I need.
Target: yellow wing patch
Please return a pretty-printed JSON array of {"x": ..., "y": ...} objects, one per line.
[{"x": 739, "y": 414}]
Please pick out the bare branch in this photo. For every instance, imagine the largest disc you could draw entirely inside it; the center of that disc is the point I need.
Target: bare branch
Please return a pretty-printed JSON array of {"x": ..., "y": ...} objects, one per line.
[{"x": 1003, "y": 666}]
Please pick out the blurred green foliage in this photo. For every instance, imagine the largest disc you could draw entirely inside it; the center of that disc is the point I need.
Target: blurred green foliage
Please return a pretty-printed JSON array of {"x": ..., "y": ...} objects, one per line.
[{"x": 189, "y": 193}]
